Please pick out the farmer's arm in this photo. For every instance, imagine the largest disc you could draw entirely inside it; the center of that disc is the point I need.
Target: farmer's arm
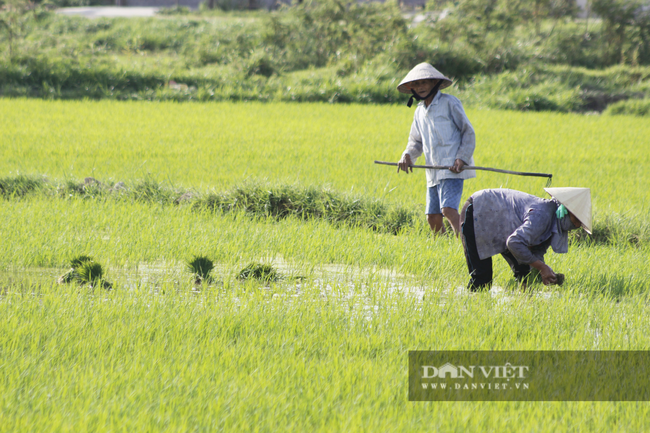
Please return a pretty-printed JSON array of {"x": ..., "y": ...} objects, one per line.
[
  {"x": 548, "y": 276},
  {"x": 467, "y": 135},
  {"x": 413, "y": 149},
  {"x": 534, "y": 226}
]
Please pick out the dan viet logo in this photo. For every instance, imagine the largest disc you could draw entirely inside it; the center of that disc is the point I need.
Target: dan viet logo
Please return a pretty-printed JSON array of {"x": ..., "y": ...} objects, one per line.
[
  {"x": 507, "y": 371},
  {"x": 485, "y": 376}
]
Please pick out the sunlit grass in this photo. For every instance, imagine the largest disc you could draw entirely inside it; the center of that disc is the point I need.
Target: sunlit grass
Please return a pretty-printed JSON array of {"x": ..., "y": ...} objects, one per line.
[
  {"x": 245, "y": 360},
  {"x": 323, "y": 352},
  {"x": 218, "y": 146}
]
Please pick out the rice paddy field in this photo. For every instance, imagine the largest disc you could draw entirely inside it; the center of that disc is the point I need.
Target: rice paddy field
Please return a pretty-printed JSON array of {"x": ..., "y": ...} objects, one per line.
[{"x": 324, "y": 347}]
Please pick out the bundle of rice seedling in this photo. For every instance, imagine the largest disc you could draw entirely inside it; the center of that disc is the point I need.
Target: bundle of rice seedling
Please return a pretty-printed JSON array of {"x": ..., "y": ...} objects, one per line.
[
  {"x": 259, "y": 271},
  {"x": 200, "y": 267},
  {"x": 84, "y": 270}
]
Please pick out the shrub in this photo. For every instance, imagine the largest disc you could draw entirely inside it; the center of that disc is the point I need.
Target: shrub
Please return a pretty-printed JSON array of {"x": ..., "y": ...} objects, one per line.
[{"x": 634, "y": 107}]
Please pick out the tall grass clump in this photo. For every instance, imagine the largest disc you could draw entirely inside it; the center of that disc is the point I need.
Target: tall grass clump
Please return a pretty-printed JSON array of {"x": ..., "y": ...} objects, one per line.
[
  {"x": 309, "y": 203},
  {"x": 20, "y": 186},
  {"x": 149, "y": 190}
]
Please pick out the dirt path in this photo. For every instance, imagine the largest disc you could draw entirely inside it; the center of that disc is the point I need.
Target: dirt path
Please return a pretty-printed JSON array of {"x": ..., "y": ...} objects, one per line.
[{"x": 109, "y": 11}]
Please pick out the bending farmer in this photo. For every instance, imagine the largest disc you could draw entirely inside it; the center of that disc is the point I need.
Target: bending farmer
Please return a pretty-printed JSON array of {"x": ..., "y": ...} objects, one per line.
[
  {"x": 443, "y": 133},
  {"x": 520, "y": 227}
]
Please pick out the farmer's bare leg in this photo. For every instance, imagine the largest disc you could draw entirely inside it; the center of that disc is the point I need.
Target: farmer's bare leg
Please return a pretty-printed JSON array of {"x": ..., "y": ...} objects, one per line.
[
  {"x": 436, "y": 223},
  {"x": 462, "y": 212},
  {"x": 454, "y": 219}
]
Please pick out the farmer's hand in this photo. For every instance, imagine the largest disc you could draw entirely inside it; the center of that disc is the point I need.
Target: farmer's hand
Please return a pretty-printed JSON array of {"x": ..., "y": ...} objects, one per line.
[
  {"x": 404, "y": 164},
  {"x": 458, "y": 166},
  {"x": 548, "y": 276}
]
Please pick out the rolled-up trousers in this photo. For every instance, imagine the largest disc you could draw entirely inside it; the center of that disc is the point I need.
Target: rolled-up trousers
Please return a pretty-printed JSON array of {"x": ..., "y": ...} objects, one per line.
[{"x": 480, "y": 271}]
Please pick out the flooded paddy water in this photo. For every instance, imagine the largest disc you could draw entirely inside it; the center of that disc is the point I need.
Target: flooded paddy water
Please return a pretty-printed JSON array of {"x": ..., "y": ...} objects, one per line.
[{"x": 336, "y": 282}]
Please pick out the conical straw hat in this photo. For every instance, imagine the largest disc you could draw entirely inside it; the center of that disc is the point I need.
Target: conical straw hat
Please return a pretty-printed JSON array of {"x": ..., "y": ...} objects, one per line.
[
  {"x": 423, "y": 71},
  {"x": 577, "y": 201}
]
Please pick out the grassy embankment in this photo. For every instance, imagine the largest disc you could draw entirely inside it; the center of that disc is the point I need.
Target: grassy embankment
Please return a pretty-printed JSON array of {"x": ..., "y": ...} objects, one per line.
[
  {"x": 297, "y": 54},
  {"x": 328, "y": 352}
]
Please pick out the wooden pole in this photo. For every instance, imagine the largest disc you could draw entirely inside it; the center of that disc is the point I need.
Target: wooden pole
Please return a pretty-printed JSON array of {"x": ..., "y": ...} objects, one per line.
[{"x": 469, "y": 167}]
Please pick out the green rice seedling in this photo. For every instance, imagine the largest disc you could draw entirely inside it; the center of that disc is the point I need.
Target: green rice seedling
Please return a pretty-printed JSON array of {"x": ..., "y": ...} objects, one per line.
[
  {"x": 201, "y": 267},
  {"x": 92, "y": 275},
  {"x": 147, "y": 352},
  {"x": 85, "y": 271},
  {"x": 89, "y": 272},
  {"x": 160, "y": 143},
  {"x": 259, "y": 271},
  {"x": 72, "y": 274},
  {"x": 79, "y": 260}
]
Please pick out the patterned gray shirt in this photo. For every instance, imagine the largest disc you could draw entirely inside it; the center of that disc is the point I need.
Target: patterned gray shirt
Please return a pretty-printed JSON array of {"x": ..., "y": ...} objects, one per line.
[{"x": 506, "y": 219}]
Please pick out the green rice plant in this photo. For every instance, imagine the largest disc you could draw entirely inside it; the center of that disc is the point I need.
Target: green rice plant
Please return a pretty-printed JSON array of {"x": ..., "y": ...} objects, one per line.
[
  {"x": 279, "y": 202},
  {"x": 357, "y": 328},
  {"x": 201, "y": 267},
  {"x": 147, "y": 351},
  {"x": 259, "y": 271},
  {"x": 325, "y": 184},
  {"x": 224, "y": 359}
]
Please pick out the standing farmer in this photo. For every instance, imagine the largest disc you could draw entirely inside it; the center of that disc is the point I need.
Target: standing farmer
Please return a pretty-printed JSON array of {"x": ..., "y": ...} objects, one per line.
[
  {"x": 443, "y": 133},
  {"x": 520, "y": 227}
]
